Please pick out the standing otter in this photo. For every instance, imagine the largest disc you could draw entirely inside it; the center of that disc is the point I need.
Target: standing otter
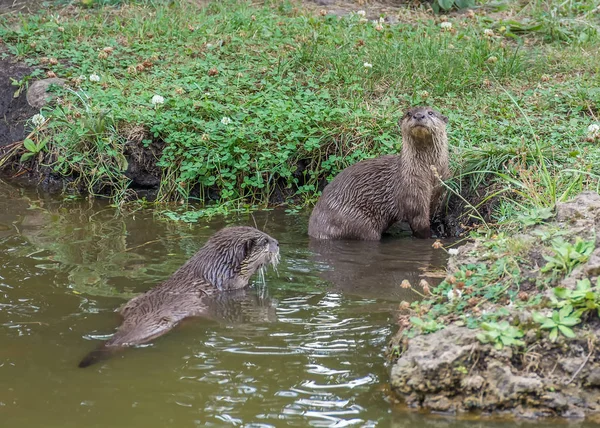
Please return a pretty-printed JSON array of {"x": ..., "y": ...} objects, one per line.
[
  {"x": 366, "y": 198},
  {"x": 225, "y": 263}
]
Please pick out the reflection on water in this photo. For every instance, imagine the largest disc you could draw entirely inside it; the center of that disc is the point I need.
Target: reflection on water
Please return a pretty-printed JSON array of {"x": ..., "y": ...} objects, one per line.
[
  {"x": 304, "y": 350},
  {"x": 375, "y": 269}
]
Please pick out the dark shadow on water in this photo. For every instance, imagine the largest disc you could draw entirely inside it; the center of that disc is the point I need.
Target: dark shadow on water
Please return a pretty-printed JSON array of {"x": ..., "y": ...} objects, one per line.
[{"x": 375, "y": 269}]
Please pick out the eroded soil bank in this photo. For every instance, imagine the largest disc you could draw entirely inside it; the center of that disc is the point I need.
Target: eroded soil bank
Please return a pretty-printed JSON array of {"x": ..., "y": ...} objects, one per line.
[{"x": 526, "y": 368}]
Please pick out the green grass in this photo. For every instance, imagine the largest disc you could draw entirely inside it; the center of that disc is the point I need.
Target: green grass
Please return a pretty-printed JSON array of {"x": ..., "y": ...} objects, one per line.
[{"x": 295, "y": 88}]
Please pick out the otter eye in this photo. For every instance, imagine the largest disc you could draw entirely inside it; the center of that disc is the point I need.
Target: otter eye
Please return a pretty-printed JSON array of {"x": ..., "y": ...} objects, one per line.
[{"x": 430, "y": 113}]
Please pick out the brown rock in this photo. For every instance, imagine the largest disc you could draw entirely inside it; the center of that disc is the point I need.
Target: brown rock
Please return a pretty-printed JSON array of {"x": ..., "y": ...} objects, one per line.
[{"x": 38, "y": 95}]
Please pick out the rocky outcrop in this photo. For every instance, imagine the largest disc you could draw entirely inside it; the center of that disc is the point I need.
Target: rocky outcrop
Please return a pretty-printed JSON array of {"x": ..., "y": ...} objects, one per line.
[{"x": 452, "y": 371}]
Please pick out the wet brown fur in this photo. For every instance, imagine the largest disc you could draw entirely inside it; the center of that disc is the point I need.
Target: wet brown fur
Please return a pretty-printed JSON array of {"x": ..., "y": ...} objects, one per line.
[
  {"x": 225, "y": 263},
  {"x": 366, "y": 198}
]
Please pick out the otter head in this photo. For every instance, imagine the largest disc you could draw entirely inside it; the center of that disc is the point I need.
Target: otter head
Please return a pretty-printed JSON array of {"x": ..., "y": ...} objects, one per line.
[
  {"x": 423, "y": 125},
  {"x": 233, "y": 254}
]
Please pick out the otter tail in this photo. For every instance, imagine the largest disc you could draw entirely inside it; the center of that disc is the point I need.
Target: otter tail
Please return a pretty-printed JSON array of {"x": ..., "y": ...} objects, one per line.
[{"x": 101, "y": 353}]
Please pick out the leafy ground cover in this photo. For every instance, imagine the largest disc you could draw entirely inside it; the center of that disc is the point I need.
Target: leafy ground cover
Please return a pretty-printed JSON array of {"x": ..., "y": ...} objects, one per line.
[{"x": 245, "y": 104}]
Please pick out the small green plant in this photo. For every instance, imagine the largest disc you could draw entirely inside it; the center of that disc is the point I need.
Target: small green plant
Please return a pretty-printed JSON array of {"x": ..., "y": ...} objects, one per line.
[
  {"x": 536, "y": 216},
  {"x": 560, "y": 320},
  {"x": 21, "y": 85},
  {"x": 426, "y": 326},
  {"x": 500, "y": 334},
  {"x": 567, "y": 256},
  {"x": 33, "y": 148},
  {"x": 583, "y": 297}
]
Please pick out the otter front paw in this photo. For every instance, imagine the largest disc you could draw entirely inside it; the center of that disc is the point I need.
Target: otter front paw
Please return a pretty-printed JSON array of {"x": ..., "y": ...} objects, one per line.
[
  {"x": 420, "y": 227},
  {"x": 423, "y": 233}
]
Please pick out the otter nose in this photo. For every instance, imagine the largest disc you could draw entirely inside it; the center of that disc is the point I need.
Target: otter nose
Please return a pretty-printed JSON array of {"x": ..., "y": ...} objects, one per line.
[
  {"x": 419, "y": 116},
  {"x": 274, "y": 246}
]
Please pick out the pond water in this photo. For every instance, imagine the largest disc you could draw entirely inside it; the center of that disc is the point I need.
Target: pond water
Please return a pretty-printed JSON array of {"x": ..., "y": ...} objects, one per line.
[{"x": 304, "y": 349}]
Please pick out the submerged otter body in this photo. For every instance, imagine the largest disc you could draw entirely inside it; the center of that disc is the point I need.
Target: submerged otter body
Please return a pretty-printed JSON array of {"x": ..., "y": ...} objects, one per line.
[
  {"x": 224, "y": 264},
  {"x": 366, "y": 198}
]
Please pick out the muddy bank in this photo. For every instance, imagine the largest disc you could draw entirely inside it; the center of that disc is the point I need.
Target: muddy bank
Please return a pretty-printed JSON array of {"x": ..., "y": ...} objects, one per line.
[
  {"x": 515, "y": 363},
  {"x": 14, "y": 109}
]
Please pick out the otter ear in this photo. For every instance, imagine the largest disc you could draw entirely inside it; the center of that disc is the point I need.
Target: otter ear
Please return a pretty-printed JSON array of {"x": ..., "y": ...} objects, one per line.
[{"x": 247, "y": 249}]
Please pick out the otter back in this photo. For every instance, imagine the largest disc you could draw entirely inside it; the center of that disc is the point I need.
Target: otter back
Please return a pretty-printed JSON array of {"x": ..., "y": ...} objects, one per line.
[{"x": 359, "y": 203}]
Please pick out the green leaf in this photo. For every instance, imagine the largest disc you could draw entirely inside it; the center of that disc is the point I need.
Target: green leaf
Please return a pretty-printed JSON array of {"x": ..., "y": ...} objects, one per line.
[
  {"x": 562, "y": 293},
  {"x": 553, "y": 334},
  {"x": 584, "y": 284},
  {"x": 42, "y": 144},
  {"x": 446, "y": 4},
  {"x": 549, "y": 323},
  {"x": 566, "y": 331},
  {"x": 565, "y": 311},
  {"x": 570, "y": 321},
  {"x": 486, "y": 326},
  {"x": 539, "y": 318},
  {"x": 26, "y": 156},
  {"x": 463, "y": 4},
  {"x": 30, "y": 145},
  {"x": 482, "y": 337},
  {"x": 417, "y": 321}
]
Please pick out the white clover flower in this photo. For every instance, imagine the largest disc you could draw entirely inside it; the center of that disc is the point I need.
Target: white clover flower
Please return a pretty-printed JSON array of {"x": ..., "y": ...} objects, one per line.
[
  {"x": 368, "y": 65},
  {"x": 157, "y": 99},
  {"x": 453, "y": 251},
  {"x": 38, "y": 119},
  {"x": 593, "y": 130},
  {"x": 381, "y": 19},
  {"x": 446, "y": 25},
  {"x": 454, "y": 294},
  {"x": 361, "y": 13},
  {"x": 94, "y": 78},
  {"x": 226, "y": 120},
  {"x": 82, "y": 77},
  {"x": 488, "y": 32}
]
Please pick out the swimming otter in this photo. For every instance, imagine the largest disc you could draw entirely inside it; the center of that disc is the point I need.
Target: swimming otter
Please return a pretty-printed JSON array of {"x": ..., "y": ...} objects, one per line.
[
  {"x": 225, "y": 263},
  {"x": 366, "y": 198}
]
